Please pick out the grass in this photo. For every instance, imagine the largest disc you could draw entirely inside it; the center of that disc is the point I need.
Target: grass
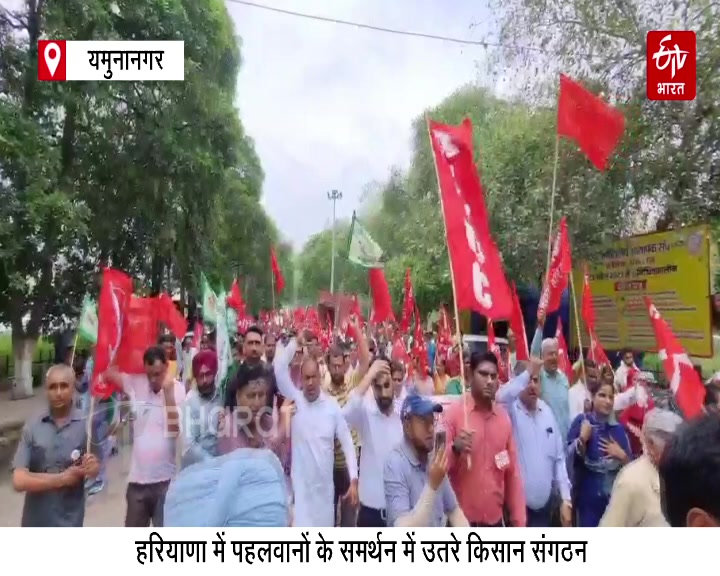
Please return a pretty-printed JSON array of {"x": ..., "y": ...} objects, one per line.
[
  {"x": 44, "y": 348},
  {"x": 44, "y": 353}
]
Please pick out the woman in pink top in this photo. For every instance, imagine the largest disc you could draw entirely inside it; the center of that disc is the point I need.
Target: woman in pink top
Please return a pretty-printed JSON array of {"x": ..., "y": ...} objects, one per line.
[{"x": 247, "y": 421}]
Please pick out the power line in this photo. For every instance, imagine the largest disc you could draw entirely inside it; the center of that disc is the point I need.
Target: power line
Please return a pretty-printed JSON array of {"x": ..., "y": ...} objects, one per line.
[{"x": 364, "y": 26}]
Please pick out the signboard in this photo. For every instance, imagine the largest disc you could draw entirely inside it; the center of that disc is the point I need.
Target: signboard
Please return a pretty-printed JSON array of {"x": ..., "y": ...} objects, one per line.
[{"x": 673, "y": 269}]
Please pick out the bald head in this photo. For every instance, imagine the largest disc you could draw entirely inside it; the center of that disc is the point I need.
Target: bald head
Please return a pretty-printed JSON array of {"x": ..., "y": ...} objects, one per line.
[
  {"x": 550, "y": 348},
  {"x": 60, "y": 372},
  {"x": 60, "y": 386}
]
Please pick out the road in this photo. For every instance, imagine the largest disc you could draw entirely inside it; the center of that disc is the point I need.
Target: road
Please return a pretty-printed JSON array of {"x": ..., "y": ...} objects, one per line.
[{"x": 106, "y": 509}]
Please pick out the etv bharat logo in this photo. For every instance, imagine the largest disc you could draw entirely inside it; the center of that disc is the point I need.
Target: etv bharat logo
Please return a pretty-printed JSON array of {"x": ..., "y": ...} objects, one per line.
[
  {"x": 674, "y": 57},
  {"x": 671, "y": 65}
]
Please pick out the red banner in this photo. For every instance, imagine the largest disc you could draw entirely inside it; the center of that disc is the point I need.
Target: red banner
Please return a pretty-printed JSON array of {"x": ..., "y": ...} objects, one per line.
[
  {"x": 140, "y": 333},
  {"x": 477, "y": 270},
  {"x": 115, "y": 294},
  {"x": 560, "y": 266},
  {"x": 408, "y": 303},
  {"x": 685, "y": 383}
]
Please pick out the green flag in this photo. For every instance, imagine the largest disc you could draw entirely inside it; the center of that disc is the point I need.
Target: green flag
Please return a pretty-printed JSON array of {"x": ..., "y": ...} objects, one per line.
[
  {"x": 362, "y": 249},
  {"x": 222, "y": 343},
  {"x": 209, "y": 301},
  {"x": 88, "y": 325},
  {"x": 232, "y": 320}
]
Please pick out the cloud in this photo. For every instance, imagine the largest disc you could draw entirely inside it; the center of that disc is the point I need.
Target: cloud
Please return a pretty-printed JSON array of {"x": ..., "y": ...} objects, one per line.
[{"x": 331, "y": 106}]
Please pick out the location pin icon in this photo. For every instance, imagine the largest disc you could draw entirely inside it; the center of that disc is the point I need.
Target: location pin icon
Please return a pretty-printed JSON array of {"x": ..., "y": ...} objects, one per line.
[{"x": 52, "y": 57}]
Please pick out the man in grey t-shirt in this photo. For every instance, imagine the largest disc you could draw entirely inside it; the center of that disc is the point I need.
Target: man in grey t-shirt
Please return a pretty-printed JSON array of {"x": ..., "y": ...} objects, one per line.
[{"x": 51, "y": 463}]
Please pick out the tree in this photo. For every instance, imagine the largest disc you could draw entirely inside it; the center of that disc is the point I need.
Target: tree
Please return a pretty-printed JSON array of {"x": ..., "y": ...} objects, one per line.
[{"x": 148, "y": 177}]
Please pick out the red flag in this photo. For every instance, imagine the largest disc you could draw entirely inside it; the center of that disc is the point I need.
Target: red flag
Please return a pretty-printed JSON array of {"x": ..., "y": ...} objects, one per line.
[
  {"x": 197, "y": 334},
  {"x": 444, "y": 330},
  {"x": 587, "y": 311},
  {"x": 419, "y": 348},
  {"x": 517, "y": 325},
  {"x": 477, "y": 270},
  {"x": 495, "y": 349},
  {"x": 399, "y": 351},
  {"x": 408, "y": 303},
  {"x": 312, "y": 321},
  {"x": 382, "y": 303},
  {"x": 594, "y": 125},
  {"x": 171, "y": 317},
  {"x": 277, "y": 273},
  {"x": 563, "y": 359},
  {"x": 355, "y": 310},
  {"x": 140, "y": 332},
  {"x": 113, "y": 302},
  {"x": 560, "y": 266},
  {"x": 235, "y": 299},
  {"x": 685, "y": 382},
  {"x": 597, "y": 354}
]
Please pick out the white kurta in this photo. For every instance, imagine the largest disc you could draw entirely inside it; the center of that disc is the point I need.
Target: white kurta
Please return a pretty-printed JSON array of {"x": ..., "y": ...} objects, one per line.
[{"x": 313, "y": 430}]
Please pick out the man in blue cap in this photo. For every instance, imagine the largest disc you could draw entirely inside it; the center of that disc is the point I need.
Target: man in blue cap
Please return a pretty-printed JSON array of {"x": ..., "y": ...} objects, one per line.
[{"x": 417, "y": 491}]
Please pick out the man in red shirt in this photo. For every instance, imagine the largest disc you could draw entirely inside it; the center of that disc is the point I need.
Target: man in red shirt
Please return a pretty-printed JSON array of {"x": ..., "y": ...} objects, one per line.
[{"x": 483, "y": 467}]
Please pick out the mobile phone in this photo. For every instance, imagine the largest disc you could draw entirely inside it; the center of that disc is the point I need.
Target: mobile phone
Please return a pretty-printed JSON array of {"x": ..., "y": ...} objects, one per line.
[{"x": 440, "y": 440}]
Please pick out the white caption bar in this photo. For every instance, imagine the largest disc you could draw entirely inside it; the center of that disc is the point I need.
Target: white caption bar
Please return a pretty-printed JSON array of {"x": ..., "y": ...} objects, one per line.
[{"x": 153, "y": 60}]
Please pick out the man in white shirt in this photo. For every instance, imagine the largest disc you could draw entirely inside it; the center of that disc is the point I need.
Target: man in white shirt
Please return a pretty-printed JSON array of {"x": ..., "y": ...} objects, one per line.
[
  {"x": 318, "y": 420},
  {"x": 627, "y": 363},
  {"x": 372, "y": 414},
  {"x": 156, "y": 396},
  {"x": 580, "y": 394}
]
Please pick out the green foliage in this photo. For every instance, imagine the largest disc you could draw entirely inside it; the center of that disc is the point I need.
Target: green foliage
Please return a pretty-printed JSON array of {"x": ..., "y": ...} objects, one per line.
[{"x": 158, "y": 179}]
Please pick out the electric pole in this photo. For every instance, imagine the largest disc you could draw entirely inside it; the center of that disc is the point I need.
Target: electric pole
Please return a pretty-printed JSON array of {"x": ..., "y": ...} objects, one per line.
[{"x": 334, "y": 195}]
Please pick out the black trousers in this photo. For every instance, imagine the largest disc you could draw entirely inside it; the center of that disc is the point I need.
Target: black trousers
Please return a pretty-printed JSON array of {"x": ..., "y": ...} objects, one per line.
[
  {"x": 371, "y": 517},
  {"x": 539, "y": 518}
]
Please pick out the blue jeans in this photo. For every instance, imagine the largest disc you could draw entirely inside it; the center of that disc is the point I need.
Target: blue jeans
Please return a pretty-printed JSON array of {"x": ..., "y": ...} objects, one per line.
[{"x": 100, "y": 429}]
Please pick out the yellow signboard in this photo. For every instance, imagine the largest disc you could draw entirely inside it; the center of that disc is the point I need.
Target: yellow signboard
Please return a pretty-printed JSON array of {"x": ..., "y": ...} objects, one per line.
[{"x": 673, "y": 269}]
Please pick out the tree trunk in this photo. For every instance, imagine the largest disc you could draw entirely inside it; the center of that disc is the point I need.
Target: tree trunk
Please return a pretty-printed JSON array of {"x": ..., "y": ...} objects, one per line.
[
  {"x": 156, "y": 274},
  {"x": 23, "y": 351}
]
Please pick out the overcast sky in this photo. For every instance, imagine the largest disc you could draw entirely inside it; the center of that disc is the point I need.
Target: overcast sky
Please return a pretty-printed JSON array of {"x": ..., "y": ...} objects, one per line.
[{"x": 331, "y": 106}]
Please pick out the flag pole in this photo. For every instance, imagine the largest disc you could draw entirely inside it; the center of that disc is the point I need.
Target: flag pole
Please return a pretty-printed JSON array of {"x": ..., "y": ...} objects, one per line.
[
  {"x": 552, "y": 202},
  {"x": 549, "y": 253},
  {"x": 577, "y": 325},
  {"x": 75, "y": 341},
  {"x": 454, "y": 291},
  {"x": 272, "y": 285}
]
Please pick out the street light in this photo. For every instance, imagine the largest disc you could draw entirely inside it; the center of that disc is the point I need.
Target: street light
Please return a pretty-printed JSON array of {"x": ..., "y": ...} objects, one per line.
[{"x": 334, "y": 195}]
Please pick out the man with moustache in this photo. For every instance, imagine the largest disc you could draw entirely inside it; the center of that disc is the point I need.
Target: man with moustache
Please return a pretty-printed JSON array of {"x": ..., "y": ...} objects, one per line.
[
  {"x": 377, "y": 423},
  {"x": 483, "y": 465},
  {"x": 318, "y": 421},
  {"x": 541, "y": 449},
  {"x": 417, "y": 491},
  {"x": 201, "y": 411}
]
